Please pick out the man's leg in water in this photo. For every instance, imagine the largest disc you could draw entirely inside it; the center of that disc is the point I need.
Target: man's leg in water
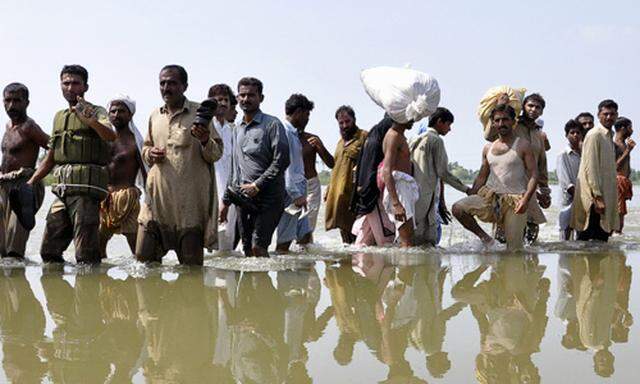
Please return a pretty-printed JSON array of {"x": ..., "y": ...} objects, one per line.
[
  {"x": 246, "y": 222},
  {"x": 470, "y": 223},
  {"x": 190, "y": 249},
  {"x": 148, "y": 248},
  {"x": 131, "y": 240},
  {"x": 266, "y": 222},
  {"x": 514, "y": 227},
  {"x": 347, "y": 236},
  {"x": 405, "y": 233}
]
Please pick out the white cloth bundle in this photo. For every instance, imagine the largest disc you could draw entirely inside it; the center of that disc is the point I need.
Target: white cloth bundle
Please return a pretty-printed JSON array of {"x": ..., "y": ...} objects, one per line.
[{"x": 404, "y": 93}]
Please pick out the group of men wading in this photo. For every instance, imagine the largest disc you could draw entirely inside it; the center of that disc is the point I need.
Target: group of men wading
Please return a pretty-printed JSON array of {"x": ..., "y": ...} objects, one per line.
[{"x": 195, "y": 182}]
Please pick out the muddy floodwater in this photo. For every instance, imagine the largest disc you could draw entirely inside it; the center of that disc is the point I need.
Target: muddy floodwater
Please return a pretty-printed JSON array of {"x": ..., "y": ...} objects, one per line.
[{"x": 561, "y": 312}]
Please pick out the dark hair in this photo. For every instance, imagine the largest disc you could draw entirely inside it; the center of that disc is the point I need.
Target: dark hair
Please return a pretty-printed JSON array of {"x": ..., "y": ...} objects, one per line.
[
  {"x": 18, "y": 88},
  {"x": 182, "y": 73},
  {"x": 250, "y": 82},
  {"x": 505, "y": 108},
  {"x": 621, "y": 123},
  {"x": 346, "y": 109},
  {"x": 609, "y": 104},
  {"x": 535, "y": 97},
  {"x": 221, "y": 89},
  {"x": 572, "y": 124},
  {"x": 75, "y": 69},
  {"x": 442, "y": 114},
  {"x": 295, "y": 102},
  {"x": 584, "y": 114}
]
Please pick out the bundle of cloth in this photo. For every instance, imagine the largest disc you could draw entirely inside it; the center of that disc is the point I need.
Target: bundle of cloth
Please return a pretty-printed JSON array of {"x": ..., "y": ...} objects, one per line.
[
  {"x": 405, "y": 94},
  {"x": 502, "y": 94}
]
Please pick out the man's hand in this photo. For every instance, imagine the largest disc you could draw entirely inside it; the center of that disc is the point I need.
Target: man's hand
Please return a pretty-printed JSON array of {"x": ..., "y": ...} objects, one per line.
[
  {"x": 399, "y": 212},
  {"x": 630, "y": 144},
  {"x": 224, "y": 211},
  {"x": 157, "y": 154},
  {"x": 544, "y": 199},
  {"x": 300, "y": 201},
  {"x": 521, "y": 207},
  {"x": 249, "y": 189},
  {"x": 599, "y": 205},
  {"x": 444, "y": 213},
  {"x": 315, "y": 142},
  {"x": 201, "y": 133},
  {"x": 84, "y": 111}
]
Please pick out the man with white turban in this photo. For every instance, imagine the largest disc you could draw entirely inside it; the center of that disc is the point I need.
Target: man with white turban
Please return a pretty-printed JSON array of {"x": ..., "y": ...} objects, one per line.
[{"x": 127, "y": 174}]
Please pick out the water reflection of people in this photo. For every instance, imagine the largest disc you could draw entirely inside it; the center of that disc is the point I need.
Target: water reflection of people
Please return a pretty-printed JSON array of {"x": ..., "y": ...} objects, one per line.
[
  {"x": 356, "y": 302},
  {"x": 430, "y": 329},
  {"x": 300, "y": 290},
  {"x": 391, "y": 308},
  {"x": 178, "y": 328},
  {"x": 601, "y": 283},
  {"x": 76, "y": 351},
  {"x": 262, "y": 331},
  {"x": 22, "y": 325},
  {"x": 510, "y": 308},
  {"x": 566, "y": 305}
]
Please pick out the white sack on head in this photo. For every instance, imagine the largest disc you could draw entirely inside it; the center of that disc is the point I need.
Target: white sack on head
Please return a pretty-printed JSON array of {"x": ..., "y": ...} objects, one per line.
[{"x": 405, "y": 94}]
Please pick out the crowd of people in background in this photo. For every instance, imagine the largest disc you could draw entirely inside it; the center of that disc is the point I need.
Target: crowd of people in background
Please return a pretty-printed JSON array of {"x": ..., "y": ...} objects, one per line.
[{"x": 200, "y": 180}]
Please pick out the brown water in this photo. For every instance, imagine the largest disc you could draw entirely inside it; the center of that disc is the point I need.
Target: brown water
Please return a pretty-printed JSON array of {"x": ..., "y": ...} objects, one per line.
[{"x": 562, "y": 312}]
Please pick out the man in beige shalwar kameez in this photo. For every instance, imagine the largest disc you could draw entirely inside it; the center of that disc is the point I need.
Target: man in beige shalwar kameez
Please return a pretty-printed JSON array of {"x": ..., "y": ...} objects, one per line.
[
  {"x": 180, "y": 211},
  {"x": 340, "y": 188},
  {"x": 595, "y": 208},
  {"x": 430, "y": 168}
]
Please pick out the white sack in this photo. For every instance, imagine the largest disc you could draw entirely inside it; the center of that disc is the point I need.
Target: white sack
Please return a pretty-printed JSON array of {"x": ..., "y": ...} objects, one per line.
[{"x": 405, "y": 94}]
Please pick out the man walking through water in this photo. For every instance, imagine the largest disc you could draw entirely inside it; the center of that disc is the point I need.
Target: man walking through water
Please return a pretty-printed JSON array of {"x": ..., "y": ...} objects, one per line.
[
  {"x": 431, "y": 162},
  {"x": 400, "y": 188},
  {"x": 119, "y": 211},
  {"x": 595, "y": 209},
  {"x": 504, "y": 191},
  {"x": 624, "y": 145},
  {"x": 79, "y": 149},
  {"x": 21, "y": 144},
  {"x": 260, "y": 158},
  {"x": 223, "y": 95},
  {"x": 180, "y": 211},
  {"x": 341, "y": 187},
  {"x": 294, "y": 223},
  {"x": 312, "y": 146}
]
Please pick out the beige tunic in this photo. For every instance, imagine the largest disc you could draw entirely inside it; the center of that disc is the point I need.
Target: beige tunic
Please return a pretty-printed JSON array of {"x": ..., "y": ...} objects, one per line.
[
  {"x": 181, "y": 190},
  {"x": 430, "y": 165},
  {"x": 596, "y": 177},
  {"x": 340, "y": 189}
]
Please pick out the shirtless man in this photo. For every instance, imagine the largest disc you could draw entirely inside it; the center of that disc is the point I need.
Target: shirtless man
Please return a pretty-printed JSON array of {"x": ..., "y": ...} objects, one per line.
[
  {"x": 21, "y": 143},
  {"x": 624, "y": 144},
  {"x": 401, "y": 190},
  {"x": 119, "y": 211},
  {"x": 507, "y": 180},
  {"x": 312, "y": 146}
]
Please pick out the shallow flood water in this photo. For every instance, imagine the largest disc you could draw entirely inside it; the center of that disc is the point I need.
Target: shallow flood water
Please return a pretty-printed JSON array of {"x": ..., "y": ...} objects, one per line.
[{"x": 560, "y": 312}]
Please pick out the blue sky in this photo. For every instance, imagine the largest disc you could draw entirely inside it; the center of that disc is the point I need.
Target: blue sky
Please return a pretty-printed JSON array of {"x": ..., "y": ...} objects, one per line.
[{"x": 575, "y": 53}]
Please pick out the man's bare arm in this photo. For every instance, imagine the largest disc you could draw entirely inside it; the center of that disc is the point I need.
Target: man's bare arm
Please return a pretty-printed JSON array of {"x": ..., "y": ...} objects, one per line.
[
  {"x": 532, "y": 170},
  {"x": 43, "y": 169},
  {"x": 35, "y": 133},
  {"x": 483, "y": 174},
  {"x": 391, "y": 147},
  {"x": 326, "y": 157}
]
